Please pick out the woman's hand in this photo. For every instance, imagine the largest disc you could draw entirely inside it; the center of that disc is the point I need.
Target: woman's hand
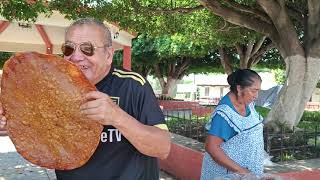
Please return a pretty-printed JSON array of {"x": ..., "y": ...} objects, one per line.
[
  {"x": 243, "y": 171},
  {"x": 213, "y": 147}
]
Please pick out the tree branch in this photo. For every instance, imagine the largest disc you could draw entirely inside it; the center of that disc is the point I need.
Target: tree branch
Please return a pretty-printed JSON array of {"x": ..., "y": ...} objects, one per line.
[
  {"x": 263, "y": 16},
  {"x": 159, "y": 11},
  {"x": 183, "y": 71},
  {"x": 183, "y": 67},
  {"x": 248, "y": 52},
  {"x": 287, "y": 38},
  {"x": 159, "y": 75},
  {"x": 258, "y": 55},
  {"x": 258, "y": 45},
  {"x": 173, "y": 67},
  {"x": 238, "y": 18},
  {"x": 170, "y": 69},
  {"x": 297, "y": 15},
  {"x": 313, "y": 28},
  {"x": 177, "y": 10},
  {"x": 254, "y": 61},
  {"x": 240, "y": 50},
  {"x": 224, "y": 60}
]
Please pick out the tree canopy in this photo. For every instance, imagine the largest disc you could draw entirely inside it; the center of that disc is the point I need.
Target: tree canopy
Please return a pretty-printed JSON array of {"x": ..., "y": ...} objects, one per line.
[
  {"x": 291, "y": 25},
  {"x": 184, "y": 28}
]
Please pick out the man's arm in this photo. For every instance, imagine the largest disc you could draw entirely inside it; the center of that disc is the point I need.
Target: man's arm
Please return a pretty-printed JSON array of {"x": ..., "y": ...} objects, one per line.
[{"x": 149, "y": 140}]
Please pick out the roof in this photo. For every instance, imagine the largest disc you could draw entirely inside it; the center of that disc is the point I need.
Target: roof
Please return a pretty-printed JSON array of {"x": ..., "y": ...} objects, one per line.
[{"x": 26, "y": 37}]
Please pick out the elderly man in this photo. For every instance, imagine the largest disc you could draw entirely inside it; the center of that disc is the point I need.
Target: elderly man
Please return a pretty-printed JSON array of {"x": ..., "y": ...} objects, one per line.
[{"x": 135, "y": 133}]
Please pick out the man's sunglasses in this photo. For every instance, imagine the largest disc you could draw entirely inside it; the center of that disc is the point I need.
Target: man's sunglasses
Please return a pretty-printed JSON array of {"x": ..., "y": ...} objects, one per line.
[{"x": 87, "y": 48}]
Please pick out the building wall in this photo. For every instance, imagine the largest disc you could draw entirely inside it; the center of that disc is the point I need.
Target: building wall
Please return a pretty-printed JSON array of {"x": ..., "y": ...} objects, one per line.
[
  {"x": 212, "y": 91},
  {"x": 316, "y": 95}
]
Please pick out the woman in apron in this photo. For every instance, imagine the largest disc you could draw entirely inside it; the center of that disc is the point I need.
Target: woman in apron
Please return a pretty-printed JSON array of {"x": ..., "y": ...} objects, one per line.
[{"x": 235, "y": 138}]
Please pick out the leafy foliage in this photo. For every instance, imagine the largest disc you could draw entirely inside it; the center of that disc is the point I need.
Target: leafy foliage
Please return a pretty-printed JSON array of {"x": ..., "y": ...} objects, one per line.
[
  {"x": 280, "y": 75},
  {"x": 22, "y": 10},
  {"x": 272, "y": 60},
  {"x": 147, "y": 51},
  {"x": 4, "y": 56},
  {"x": 163, "y": 37}
]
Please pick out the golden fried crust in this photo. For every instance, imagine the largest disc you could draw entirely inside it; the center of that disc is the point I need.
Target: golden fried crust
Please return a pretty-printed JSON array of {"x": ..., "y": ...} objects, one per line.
[{"x": 41, "y": 96}]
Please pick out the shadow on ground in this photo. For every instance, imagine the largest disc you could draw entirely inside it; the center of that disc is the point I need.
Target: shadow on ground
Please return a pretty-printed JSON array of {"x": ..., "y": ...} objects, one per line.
[{"x": 14, "y": 167}]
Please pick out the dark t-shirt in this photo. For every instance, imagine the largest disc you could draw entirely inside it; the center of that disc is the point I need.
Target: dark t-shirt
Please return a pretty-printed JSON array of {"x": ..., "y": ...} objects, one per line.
[{"x": 115, "y": 158}]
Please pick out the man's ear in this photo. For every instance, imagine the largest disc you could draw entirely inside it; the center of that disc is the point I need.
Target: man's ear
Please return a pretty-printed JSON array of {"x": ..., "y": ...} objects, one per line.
[{"x": 109, "y": 55}]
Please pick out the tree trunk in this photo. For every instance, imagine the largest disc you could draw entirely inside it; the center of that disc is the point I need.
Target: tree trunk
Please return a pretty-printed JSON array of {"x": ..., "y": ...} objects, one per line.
[
  {"x": 302, "y": 58},
  {"x": 224, "y": 60},
  {"x": 143, "y": 70},
  {"x": 302, "y": 77},
  {"x": 175, "y": 72},
  {"x": 169, "y": 88}
]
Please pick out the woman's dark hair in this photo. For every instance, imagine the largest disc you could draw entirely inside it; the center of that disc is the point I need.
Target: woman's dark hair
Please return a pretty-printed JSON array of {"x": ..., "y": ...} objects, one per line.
[{"x": 243, "y": 77}]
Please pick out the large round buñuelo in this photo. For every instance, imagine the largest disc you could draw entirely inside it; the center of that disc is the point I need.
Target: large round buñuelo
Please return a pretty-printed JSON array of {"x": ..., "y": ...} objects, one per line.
[{"x": 41, "y": 96}]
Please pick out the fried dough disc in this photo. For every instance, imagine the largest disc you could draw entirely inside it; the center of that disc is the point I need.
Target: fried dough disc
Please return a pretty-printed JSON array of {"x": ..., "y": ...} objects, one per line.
[{"x": 41, "y": 96}]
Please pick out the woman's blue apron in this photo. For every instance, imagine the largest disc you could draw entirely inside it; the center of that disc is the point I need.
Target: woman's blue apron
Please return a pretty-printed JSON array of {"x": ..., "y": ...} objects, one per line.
[{"x": 246, "y": 148}]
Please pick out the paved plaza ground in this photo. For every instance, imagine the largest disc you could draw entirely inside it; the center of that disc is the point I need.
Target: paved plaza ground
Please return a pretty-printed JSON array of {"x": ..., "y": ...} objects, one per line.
[{"x": 14, "y": 167}]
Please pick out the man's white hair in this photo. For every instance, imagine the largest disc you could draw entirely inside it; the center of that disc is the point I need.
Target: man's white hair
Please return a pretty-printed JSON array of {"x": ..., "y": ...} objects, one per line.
[{"x": 91, "y": 21}]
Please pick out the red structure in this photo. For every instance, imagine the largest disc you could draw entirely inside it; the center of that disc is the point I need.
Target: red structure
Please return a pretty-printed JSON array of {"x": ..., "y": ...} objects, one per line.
[
  {"x": 185, "y": 164},
  {"x": 126, "y": 57},
  {"x": 45, "y": 38}
]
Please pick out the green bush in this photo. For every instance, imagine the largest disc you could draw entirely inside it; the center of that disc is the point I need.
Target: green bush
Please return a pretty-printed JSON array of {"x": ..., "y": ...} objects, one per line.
[
  {"x": 308, "y": 116},
  {"x": 262, "y": 111},
  {"x": 313, "y": 116}
]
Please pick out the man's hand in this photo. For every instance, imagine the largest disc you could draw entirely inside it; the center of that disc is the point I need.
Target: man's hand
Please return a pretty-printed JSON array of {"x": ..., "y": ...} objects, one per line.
[
  {"x": 148, "y": 140},
  {"x": 3, "y": 120},
  {"x": 101, "y": 108}
]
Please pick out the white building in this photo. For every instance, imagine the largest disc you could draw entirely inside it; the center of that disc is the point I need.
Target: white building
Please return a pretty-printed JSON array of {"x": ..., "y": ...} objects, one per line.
[{"x": 209, "y": 88}]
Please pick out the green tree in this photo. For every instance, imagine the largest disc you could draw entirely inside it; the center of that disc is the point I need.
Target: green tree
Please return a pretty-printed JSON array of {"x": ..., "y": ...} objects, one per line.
[
  {"x": 4, "y": 56},
  {"x": 228, "y": 26},
  {"x": 293, "y": 27},
  {"x": 169, "y": 58}
]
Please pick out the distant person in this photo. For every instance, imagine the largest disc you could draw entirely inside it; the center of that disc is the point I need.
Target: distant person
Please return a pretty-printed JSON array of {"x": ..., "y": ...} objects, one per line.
[{"x": 235, "y": 138}]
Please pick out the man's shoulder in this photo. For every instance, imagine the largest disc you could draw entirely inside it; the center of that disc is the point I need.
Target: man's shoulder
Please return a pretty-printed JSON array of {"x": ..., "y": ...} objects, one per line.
[{"x": 128, "y": 76}]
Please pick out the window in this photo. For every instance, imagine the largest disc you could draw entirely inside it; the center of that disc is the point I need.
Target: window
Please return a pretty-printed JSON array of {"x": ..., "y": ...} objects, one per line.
[{"x": 206, "y": 91}]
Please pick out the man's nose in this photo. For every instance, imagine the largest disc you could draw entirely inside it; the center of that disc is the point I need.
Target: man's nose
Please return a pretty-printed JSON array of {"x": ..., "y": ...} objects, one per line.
[{"x": 77, "y": 55}]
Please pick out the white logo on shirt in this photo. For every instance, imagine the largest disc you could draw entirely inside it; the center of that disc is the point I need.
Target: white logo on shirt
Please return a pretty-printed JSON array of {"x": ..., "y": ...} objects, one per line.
[{"x": 111, "y": 135}]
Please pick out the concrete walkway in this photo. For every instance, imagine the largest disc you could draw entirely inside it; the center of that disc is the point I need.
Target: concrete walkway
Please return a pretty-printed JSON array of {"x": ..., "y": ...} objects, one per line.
[
  {"x": 293, "y": 166},
  {"x": 14, "y": 167}
]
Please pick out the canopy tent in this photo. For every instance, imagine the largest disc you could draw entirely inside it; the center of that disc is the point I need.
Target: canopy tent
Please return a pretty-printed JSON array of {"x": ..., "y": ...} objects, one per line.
[{"x": 47, "y": 34}]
